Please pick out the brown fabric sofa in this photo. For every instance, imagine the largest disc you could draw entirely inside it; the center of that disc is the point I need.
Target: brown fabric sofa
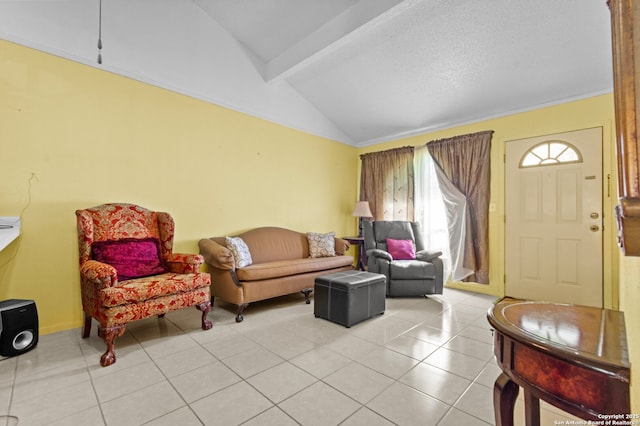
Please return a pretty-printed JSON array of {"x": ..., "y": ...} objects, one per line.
[{"x": 280, "y": 265}]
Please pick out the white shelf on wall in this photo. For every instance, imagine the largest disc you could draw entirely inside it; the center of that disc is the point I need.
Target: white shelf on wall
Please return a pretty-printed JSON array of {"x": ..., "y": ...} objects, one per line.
[{"x": 7, "y": 235}]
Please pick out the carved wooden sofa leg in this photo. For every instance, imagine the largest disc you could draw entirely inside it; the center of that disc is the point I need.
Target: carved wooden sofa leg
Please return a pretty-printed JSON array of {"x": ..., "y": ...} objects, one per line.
[
  {"x": 241, "y": 308},
  {"x": 109, "y": 334},
  {"x": 307, "y": 292},
  {"x": 205, "y": 307}
]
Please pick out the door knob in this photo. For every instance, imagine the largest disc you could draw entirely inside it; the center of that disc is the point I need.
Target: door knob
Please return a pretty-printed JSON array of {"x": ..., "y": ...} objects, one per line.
[
  {"x": 594, "y": 228},
  {"x": 594, "y": 215}
]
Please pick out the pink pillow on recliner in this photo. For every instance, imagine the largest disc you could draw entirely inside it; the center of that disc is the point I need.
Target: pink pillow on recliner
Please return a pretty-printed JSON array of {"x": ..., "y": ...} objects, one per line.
[{"x": 401, "y": 249}]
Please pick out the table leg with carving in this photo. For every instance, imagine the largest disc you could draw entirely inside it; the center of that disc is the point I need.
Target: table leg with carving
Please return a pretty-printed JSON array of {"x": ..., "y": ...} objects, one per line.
[{"x": 505, "y": 393}]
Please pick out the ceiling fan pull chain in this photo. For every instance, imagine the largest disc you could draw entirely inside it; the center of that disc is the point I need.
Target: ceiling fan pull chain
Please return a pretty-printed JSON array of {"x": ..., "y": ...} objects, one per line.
[{"x": 100, "y": 32}]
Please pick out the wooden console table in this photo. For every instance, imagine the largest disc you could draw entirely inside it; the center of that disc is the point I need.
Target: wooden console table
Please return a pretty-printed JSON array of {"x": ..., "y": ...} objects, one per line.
[{"x": 572, "y": 357}]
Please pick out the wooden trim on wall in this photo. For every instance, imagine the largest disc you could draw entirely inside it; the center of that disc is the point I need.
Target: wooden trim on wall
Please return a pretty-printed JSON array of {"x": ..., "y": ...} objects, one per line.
[{"x": 626, "y": 48}]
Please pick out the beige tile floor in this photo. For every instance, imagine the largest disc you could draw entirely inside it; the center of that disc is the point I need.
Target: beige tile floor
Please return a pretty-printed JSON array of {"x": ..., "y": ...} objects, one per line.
[{"x": 426, "y": 361}]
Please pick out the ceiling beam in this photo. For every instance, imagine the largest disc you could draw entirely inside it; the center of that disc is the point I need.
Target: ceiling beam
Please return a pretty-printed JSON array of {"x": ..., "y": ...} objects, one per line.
[{"x": 347, "y": 26}]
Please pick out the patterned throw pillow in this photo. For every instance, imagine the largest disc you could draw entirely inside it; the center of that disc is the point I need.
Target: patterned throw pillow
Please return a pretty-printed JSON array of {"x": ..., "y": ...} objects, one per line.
[
  {"x": 321, "y": 245},
  {"x": 240, "y": 251}
]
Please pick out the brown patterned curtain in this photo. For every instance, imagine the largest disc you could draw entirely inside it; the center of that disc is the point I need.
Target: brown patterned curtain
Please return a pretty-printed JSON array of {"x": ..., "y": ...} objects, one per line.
[
  {"x": 465, "y": 162},
  {"x": 386, "y": 182}
]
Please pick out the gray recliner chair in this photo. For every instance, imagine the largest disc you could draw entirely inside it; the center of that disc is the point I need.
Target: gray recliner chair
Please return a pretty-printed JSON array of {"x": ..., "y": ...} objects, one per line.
[{"x": 408, "y": 277}]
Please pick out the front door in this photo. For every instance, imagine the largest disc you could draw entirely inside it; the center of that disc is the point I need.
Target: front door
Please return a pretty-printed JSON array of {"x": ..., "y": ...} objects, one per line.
[{"x": 554, "y": 218}]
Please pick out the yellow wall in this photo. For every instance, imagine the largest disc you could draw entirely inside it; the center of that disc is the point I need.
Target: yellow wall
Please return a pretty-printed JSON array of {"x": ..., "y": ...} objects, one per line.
[{"x": 72, "y": 136}]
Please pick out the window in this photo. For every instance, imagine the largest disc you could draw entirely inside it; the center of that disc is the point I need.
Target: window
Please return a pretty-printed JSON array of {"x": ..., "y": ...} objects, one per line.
[{"x": 551, "y": 153}]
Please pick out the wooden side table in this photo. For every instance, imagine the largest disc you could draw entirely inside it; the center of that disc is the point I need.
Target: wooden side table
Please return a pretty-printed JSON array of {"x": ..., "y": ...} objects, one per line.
[
  {"x": 573, "y": 357},
  {"x": 362, "y": 255}
]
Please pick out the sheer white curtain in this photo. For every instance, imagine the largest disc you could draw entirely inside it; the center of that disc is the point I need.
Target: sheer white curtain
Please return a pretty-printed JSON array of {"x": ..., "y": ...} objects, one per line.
[
  {"x": 442, "y": 211},
  {"x": 429, "y": 208}
]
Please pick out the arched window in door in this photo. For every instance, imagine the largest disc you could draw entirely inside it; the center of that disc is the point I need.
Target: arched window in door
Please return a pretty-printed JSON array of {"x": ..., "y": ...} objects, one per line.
[{"x": 551, "y": 153}]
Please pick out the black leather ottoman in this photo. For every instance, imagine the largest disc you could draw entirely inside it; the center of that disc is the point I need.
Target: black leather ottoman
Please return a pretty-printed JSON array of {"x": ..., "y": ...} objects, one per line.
[{"x": 349, "y": 297}]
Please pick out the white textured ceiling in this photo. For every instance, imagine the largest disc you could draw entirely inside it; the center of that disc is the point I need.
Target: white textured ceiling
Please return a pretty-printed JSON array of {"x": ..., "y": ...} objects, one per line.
[{"x": 356, "y": 71}]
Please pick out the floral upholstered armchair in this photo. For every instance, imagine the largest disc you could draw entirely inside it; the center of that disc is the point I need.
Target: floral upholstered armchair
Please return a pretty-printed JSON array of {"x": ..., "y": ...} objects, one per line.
[{"x": 128, "y": 270}]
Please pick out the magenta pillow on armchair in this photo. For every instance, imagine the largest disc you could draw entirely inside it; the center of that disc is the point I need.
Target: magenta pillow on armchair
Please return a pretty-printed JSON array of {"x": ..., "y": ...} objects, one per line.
[
  {"x": 132, "y": 258},
  {"x": 401, "y": 249}
]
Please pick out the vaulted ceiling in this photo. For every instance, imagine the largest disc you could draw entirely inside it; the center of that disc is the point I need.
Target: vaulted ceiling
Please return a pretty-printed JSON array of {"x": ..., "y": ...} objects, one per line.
[{"x": 355, "y": 71}]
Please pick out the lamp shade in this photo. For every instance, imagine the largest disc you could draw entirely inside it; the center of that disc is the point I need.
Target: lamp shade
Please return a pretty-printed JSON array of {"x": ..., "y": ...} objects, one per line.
[{"x": 362, "y": 209}]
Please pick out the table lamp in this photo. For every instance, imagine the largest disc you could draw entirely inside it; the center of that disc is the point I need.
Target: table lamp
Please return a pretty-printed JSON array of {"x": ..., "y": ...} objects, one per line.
[{"x": 361, "y": 210}]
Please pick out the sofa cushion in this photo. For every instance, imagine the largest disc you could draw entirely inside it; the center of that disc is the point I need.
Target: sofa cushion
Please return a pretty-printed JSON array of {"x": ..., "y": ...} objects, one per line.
[
  {"x": 132, "y": 257},
  {"x": 282, "y": 268},
  {"x": 411, "y": 270},
  {"x": 142, "y": 289},
  {"x": 321, "y": 245},
  {"x": 399, "y": 230},
  {"x": 269, "y": 244},
  {"x": 240, "y": 251}
]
